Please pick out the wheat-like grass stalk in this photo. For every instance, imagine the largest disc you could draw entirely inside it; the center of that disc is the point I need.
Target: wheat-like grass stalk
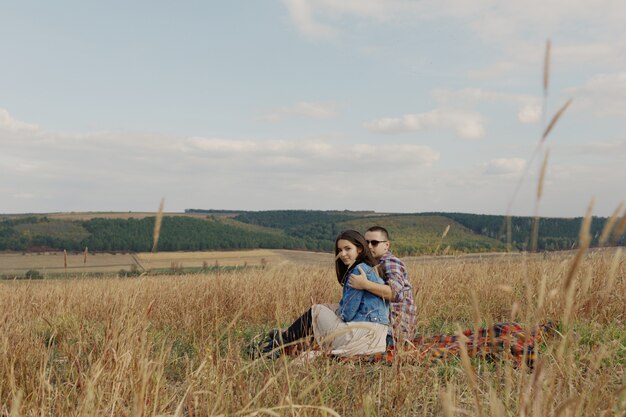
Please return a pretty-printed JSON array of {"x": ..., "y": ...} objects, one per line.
[
  {"x": 542, "y": 175},
  {"x": 536, "y": 219},
  {"x": 608, "y": 226},
  {"x": 447, "y": 401},
  {"x": 546, "y": 68},
  {"x": 585, "y": 228},
  {"x": 16, "y": 403},
  {"x": 469, "y": 371},
  {"x": 620, "y": 228},
  {"x": 496, "y": 406},
  {"x": 584, "y": 239},
  {"x": 157, "y": 226},
  {"x": 546, "y": 132},
  {"x": 443, "y": 235},
  {"x": 555, "y": 119},
  {"x": 509, "y": 233},
  {"x": 445, "y": 232},
  {"x": 610, "y": 278},
  {"x": 568, "y": 287}
]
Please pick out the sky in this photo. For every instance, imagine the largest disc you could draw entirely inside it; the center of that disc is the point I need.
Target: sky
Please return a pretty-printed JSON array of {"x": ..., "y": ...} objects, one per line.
[{"x": 386, "y": 105}]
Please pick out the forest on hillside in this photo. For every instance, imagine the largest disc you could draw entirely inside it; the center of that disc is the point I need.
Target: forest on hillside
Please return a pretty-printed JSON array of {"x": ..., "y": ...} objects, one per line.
[
  {"x": 413, "y": 234},
  {"x": 136, "y": 235},
  {"x": 554, "y": 233}
]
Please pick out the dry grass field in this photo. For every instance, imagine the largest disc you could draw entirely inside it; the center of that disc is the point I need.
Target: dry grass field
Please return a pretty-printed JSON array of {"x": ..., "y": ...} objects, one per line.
[
  {"x": 54, "y": 262},
  {"x": 88, "y": 215},
  {"x": 175, "y": 345},
  {"x": 50, "y": 263}
]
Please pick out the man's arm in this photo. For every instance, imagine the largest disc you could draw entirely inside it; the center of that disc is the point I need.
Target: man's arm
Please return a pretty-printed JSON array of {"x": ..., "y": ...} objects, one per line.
[
  {"x": 394, "y": 271},
  {"x": 360, "y": 282}
]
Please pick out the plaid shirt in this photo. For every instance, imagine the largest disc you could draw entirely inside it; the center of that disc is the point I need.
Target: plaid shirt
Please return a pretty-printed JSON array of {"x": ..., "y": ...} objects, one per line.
[{"x": 403, "y": 312}]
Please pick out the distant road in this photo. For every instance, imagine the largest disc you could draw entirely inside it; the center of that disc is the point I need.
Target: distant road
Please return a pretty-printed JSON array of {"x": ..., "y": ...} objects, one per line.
[
  {"x": 19, "y": 263},
  {"x": 321, "y": 258}
]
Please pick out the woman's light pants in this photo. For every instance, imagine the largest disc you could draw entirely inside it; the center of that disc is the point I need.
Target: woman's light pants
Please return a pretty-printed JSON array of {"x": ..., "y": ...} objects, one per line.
[{"x": 346, "y": 339}]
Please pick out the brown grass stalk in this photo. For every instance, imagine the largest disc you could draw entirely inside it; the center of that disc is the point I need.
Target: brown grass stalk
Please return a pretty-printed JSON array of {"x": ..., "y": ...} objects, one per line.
[
  {"x": 157, "y": 226},
  {"x": 542, "y": 175},
  {"x": 555, "y": 119},
  {"x": 443, "y": 235},
  {"x": 447, "y": 401},
  {"x": 620, "y": 228},
  {"x": 546, "y": 67},
  {"x": 470, "y": 373},
  {"x": 608, "y": 226},
  {"x": 584, "y": 239},
  {"x": 585, "y": 234},
  {"x": 612, "y": 275}
]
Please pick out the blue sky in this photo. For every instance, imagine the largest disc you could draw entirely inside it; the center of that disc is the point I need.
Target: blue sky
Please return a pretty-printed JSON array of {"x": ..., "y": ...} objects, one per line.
[{"x": 393, "y": 106}]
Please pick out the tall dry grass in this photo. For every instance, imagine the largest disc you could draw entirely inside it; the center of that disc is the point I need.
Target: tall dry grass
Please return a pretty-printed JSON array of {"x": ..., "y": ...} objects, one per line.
[{"x": 176, "y": 345}]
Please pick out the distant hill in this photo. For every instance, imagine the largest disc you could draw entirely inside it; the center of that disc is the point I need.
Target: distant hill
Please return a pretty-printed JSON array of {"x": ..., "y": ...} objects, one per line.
[
  {"x": 106, "y": 234},
  {"x": 412, "y": 234},
  {"x": 554, "y": 233},
  {"x": 416, "y": 234}
]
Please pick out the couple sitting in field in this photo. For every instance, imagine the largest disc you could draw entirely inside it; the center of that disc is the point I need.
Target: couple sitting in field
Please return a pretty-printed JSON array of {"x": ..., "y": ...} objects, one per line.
[
  {"x": 376, "y": 310},
  {"x": 377, "y": 315}
]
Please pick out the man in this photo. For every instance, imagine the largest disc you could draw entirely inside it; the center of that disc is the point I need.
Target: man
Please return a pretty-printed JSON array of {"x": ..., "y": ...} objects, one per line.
[{"x": 397, "y": 289}]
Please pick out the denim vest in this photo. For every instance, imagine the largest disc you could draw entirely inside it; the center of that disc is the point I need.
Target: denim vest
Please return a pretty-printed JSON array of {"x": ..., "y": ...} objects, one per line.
[{"x": 361, "y": 305}]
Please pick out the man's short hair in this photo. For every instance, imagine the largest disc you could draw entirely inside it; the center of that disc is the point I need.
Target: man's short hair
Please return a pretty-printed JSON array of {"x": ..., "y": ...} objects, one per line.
[{"x": 379, "y": 229}]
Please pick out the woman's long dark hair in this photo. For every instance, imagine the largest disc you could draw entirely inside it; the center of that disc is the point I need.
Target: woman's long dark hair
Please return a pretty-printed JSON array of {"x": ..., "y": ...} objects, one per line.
[{"x": 365, "y": 256}]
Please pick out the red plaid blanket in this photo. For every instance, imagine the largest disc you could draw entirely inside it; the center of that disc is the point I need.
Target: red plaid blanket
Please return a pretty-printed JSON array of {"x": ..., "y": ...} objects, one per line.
[{"x": 508, "y": 341}]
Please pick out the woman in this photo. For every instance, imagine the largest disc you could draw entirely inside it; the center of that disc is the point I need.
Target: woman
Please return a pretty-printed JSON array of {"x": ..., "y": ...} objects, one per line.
[{"x": 358, "y": 324}]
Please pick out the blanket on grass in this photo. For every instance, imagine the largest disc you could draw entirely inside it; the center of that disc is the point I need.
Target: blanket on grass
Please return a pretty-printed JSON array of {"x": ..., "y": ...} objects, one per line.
[{"x": 504, "y": 341}]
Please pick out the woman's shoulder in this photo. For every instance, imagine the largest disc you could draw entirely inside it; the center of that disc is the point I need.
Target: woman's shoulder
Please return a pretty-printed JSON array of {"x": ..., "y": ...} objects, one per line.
[
  {"x": 365, "y": 267},
  {"x": 370, "y": 271}
]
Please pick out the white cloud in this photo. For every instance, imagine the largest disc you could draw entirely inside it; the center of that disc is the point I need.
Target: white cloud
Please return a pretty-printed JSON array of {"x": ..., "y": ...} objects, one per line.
[
  {"x": 308, "y": 154},
  {"x": 219, "y": 145},
  {"x": 516, "y": 29},
  {"x": 525, "y": 54},
  {"x": 109, "y": 170},
  {"x": 614, "y": 148},
  {"x": 19, "y": 167},
  {"x": 9, "y": 123},
  {"x": 529, "y": 106},
  {"x": 465, "y": 124},
  {"x": 311, "y": 16},
  {"x": 504, "y": 166},
  {"x": 54, "y": 171},
  {"x": 603, "y": 95},
  {"x": 304, "y": 109},
  {"x": 491, "y": 18},
  {"x": 529, "y": 114},
  {"x": 302, "y": 14}
]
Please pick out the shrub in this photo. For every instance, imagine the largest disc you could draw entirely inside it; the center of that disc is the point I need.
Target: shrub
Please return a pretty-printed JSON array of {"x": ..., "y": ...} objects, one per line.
[{"x": 33, "y": 274}]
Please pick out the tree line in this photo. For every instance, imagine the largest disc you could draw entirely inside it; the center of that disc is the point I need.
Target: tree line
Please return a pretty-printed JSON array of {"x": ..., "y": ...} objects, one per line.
[
  {"x": 282, "y": 229},
  {"x": 553, "y": 233},
  {"x": 136, "y": 235}
]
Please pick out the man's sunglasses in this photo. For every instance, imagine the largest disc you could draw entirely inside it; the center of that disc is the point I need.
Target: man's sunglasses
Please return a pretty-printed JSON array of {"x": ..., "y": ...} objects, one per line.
[{"x": 375, "y": 243}]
